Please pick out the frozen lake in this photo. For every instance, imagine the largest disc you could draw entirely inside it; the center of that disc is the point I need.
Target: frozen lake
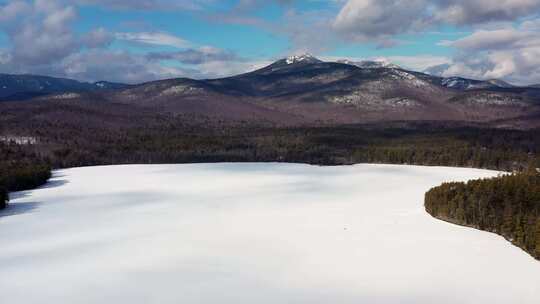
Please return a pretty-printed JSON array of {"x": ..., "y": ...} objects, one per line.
[{"x": 252, "y": 233}]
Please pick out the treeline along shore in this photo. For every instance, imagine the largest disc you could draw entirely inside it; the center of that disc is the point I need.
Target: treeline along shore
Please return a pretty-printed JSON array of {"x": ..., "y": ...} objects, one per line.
[
  {"x": 20, "y": 170},
  {"x": 508, "y": 205},
  {"x": 27, "y": 165},
  {"x": 59, "y": 145}
]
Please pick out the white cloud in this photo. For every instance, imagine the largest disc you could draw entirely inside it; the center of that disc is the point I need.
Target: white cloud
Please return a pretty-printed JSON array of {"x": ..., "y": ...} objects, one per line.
[
  {"x": 42, "y": 41},
  {"x": 147, "y": 4},
  {"x": 512, "y": 54},
  {"x": 468, "y": 12},
  {"x": 195, "y": 56},
  {"x": 117, "y": 66},
  {"x": 154, "y": 38},
  {"x": 214, "y": 69},
  {"x": 379, "y": 18},
  {"x": 97, "y": 38},
  {"x": 376, "y": 19},
  {"x": 509, "y": 38},
  {"x": 418, "y": 62},
  {"x": 5, "y": 57},
  {"x": 508, "y": 52},
  {"x": 13, "y": 10},
  {"x": 40, "y": 33}
]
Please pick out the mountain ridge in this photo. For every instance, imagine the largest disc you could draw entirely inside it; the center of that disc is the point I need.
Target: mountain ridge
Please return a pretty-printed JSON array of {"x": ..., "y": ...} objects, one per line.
[
  {"x": 290, "y": 61},
  {"x": 27, "y": 86},
  {"x": 303, "y": 89}
]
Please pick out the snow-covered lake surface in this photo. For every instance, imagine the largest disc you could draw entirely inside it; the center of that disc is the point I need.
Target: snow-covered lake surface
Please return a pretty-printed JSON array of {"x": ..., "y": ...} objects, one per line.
[{"x": 252, "y": 233}]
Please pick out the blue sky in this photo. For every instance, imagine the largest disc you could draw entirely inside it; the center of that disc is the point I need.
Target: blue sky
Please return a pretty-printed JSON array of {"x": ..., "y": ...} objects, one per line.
[
  {"x": 248, "y": 41},
  {"x": 134, "y": 41}
]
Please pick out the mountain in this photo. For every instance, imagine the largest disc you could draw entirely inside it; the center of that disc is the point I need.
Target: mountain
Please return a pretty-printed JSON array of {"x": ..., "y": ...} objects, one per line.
[
  {"x": 305, "y": 90},
  {"x": 460, "y": 83},
  {"x": 22, "y": 87}
]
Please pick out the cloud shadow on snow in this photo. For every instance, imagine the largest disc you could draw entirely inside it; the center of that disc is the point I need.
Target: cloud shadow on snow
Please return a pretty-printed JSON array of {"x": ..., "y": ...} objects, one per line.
[
  {"x": 24, "y": 207},
  {"x": 18, "y": 208}
]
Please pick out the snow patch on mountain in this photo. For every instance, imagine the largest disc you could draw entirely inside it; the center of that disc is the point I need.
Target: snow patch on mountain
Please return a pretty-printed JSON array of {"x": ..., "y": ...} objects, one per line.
[
  {"x": 456, "y": 83},
  {"x": 304, "y": 58},
  {"x": 470, "y": 84},
  {"x": 370, "y": 64},
  {"x": 369, "y": 97},
  {"x": 410, "y": 78},
  {"x": 66, "y": 96},
  {"x": 181, "y": 90},
  {"x": 492, "y": 99}
]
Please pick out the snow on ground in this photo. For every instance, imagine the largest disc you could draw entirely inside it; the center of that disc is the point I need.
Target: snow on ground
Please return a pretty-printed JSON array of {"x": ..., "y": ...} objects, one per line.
[{"x": 252, "y": 233}]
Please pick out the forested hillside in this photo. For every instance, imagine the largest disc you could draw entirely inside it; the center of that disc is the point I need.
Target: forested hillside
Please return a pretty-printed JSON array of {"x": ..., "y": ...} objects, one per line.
[
  {"x": 508, "y": 205},
  {"x": 62, "y": 145}
]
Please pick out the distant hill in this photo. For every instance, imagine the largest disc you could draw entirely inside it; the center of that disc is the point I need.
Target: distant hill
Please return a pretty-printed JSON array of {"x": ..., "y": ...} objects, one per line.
[
  {"x": 22, "y": 87},
  {"x": 461, "y": 83},
  {"x": 464, "y": 84}
]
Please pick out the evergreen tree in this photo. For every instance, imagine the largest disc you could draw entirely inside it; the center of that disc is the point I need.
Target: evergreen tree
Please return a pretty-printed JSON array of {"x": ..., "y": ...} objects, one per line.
[
  {"x": 537, "y": 248},
  {"x": 3, "y": 198}
]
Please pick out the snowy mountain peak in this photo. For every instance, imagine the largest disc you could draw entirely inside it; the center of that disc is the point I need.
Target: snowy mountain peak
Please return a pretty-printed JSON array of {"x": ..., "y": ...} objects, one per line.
[{"x": 304, "y": 58}]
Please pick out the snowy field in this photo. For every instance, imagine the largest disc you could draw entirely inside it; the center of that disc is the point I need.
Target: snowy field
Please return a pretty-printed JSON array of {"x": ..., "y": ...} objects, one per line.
[{"x": 252, "y": 233}]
